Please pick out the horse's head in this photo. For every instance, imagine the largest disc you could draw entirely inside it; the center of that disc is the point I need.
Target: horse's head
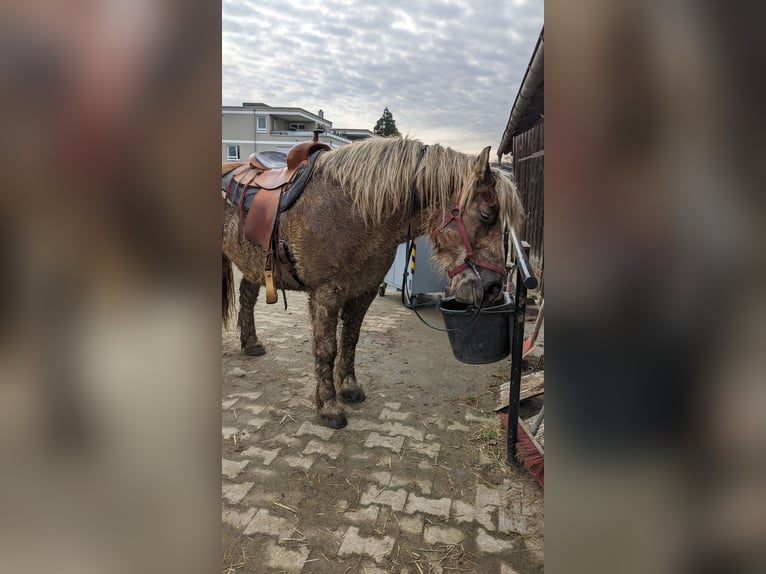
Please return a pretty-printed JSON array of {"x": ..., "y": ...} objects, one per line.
[{"x": 468, "y": 242}]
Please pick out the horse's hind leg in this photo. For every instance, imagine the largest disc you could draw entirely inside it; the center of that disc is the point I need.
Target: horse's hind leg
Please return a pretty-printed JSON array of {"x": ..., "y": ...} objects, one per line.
[
  {"x": 324, "y": 307},
  {"x": 248, "y": 295},
  {"x": 352, "y": 315}
]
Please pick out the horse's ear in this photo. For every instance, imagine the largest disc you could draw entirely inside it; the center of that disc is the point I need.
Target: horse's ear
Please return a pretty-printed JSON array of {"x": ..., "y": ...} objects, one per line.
[{"x": 481, "y": 167}]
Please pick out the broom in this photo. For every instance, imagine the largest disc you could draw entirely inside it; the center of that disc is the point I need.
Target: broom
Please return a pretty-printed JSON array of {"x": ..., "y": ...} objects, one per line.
[{"x": 529, "y": 453}]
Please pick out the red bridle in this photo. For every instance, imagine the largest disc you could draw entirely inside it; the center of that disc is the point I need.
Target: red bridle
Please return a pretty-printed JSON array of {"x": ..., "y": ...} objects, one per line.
[{"x": 469, "y": 260}]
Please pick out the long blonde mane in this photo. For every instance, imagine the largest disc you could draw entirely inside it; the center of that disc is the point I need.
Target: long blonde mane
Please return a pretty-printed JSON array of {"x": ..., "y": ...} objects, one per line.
[{"x": 377, "y": 173}]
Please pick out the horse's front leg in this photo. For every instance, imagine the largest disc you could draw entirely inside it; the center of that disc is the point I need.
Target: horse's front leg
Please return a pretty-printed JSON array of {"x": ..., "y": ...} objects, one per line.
[
  {"x": 352, "y": 315},
  {"x": 323, "y": 307},
  {"x": 248, "y": 295}
]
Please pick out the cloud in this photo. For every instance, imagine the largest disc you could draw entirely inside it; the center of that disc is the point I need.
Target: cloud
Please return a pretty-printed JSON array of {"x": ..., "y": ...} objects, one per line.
[{"x": 448, "y": 70}]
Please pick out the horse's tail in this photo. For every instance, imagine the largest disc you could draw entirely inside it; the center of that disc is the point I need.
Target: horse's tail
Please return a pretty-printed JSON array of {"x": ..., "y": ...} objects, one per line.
[{"x": 227, "y": 293}]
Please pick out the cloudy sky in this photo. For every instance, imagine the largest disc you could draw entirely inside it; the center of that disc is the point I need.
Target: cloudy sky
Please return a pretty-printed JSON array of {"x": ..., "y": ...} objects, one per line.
[{"x": 448, "y": 70}]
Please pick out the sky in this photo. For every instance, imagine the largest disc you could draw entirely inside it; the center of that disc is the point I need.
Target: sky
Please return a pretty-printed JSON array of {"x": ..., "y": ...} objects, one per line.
[{"x": 448, "y": 70}]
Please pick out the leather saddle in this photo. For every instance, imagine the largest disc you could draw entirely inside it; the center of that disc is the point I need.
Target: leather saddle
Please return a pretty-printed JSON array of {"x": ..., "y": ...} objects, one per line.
[{"x": 265, "y": 187}]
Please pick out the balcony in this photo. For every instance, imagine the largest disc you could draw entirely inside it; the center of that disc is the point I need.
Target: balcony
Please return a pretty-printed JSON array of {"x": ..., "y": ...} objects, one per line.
[{"x": 308, "y": 135}]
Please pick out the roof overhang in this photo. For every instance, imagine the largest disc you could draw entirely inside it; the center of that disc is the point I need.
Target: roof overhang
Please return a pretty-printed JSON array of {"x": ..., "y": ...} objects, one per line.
[{"x": 529, "y": 105}]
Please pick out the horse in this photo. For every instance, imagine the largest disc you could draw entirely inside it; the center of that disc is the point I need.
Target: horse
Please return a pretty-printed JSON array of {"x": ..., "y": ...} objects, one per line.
[{"x": 361, "y": 202}]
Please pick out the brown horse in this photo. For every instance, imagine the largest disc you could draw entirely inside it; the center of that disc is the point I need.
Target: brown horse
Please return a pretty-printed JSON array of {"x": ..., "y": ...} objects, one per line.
[{"x": 361, "y": 202}]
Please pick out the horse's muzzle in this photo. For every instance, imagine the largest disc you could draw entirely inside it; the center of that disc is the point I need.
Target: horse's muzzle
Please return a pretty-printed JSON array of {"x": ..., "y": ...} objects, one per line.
[{"x": 482, "y": 288}]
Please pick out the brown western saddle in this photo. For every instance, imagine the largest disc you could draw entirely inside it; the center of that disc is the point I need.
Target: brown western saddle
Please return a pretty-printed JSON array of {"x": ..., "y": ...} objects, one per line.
[{"x": 264, "y": 188}]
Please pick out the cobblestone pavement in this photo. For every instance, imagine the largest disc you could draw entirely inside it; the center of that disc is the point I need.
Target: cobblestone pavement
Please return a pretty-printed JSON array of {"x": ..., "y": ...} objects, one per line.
[{"x": 417, "y": 481}]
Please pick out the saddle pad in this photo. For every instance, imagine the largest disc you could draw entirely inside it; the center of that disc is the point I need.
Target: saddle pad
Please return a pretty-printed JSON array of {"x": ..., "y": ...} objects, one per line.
[{"x": 296, "y": 188}]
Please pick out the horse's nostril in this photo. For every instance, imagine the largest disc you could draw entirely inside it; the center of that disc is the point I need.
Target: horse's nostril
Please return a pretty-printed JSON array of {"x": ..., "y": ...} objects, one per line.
[{"x": 493, "y": 290}]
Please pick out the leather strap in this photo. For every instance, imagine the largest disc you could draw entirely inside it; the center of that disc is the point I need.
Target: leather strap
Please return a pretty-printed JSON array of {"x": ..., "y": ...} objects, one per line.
[{"x": 262, "y": 216}]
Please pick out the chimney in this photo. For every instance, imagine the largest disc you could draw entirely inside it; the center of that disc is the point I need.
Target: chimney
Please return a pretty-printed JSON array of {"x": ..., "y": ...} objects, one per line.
[{"x": 321, "y": 114}]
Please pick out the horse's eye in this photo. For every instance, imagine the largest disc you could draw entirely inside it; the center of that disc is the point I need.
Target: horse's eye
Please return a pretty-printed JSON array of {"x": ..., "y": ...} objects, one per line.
[{"x": 488, "y": 218}]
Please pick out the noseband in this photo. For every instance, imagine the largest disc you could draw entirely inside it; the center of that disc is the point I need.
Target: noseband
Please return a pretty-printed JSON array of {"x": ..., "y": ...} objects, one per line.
[{"x": 470, "y": 261}]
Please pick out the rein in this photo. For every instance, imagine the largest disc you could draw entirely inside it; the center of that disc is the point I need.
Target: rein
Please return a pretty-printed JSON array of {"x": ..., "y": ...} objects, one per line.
[{"x": 469, "y": 261}]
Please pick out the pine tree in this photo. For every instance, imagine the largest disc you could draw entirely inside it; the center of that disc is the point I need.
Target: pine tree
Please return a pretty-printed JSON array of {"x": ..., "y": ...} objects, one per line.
[{"x": 386, "y": 125}]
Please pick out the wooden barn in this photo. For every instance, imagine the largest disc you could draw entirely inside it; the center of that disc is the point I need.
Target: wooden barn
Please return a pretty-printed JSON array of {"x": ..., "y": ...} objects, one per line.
[{"x": 523, "y": 138}]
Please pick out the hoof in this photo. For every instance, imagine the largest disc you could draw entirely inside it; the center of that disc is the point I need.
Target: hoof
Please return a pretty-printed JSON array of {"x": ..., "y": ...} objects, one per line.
[
  {"x": 254, "y": 349},
  {"x": 353, "y": 396},
  {"x": 334, "y": 422}
]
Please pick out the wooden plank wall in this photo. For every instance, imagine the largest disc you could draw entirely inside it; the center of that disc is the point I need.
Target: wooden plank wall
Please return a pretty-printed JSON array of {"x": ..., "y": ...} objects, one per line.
[{"x": 530, "y": 182}]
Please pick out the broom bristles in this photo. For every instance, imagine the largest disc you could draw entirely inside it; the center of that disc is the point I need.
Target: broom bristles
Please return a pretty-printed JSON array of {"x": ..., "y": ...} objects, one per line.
[{"x": 529, "y": 455}]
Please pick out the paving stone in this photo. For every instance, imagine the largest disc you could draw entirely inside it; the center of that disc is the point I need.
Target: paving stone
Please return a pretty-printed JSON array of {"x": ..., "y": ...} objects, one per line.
[
  {"x": 429, "y": 449},
  {"x": 358, "y": 424},
  {"x": 487, "y": 496},
  {"x": 282, "y": 438},
  {"x": 376, "y": 547},
  {"x": 303, "y": 462},
  {"x": 310, "y": 428},
  {"x": 442, "y": 535},
  {"x": 508, "y": 522},
  {"x": 463, "y": 512},
  {"x": 264, "y": 454},
  {"x": 264, "y": 523},
  {"x": 394, "y": 443},
  {"x": 297, "y": 403},
  {"x": 437, "y": 420},
  {"x": 456, "y": 426},
  {"x": 487, "y": 543},
  {"x": 437, "y": 506},
  {"x": 411, "y": 432},
  {"x": 382, "y": 477},
  {"x": 235, "y": 492},
  {"x": 257, "y": 422},
  {"x": 283, "y": 559},
  {"x": 470, "y": 417},
  {"x": 412, "y": 524},
  {"x": 262, "y": 472},
  {"x": 389, "y": 415},
  {"x": 424, "y": 485},
  {"x": 248, "y": 396},
  {"x": 232, "y": 468},
  {"x": 376, "y": 495},
  {"x": 236, "y": 518},
  {"x": 226, "y": 404},
  {"x": 365, "y": 515},
  {"x": 327, "y": 449},
  {"x": 254, "y": 409}
]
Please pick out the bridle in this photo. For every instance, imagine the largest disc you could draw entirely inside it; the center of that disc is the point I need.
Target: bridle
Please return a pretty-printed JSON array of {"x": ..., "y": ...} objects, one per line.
[{"x": 470, "y": 261}]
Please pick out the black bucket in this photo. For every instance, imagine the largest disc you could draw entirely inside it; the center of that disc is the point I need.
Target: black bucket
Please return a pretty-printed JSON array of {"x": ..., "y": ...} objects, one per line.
[{"x": 486, "y": 339}]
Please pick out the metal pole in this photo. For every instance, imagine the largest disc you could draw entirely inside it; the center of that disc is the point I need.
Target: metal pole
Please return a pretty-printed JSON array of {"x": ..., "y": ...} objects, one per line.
[{"x": 517, "y": 344}]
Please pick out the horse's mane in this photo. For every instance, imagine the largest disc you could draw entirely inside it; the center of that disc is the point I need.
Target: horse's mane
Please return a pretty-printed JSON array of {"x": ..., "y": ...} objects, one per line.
[{"x": 378, "y": 174}]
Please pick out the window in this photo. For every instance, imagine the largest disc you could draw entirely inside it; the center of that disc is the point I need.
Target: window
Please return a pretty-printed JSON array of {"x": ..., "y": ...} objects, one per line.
[
  {"x": 232, "y": 152},
  {"x": 297, "y": 127},
  {"x": 261, "y": 124}
]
